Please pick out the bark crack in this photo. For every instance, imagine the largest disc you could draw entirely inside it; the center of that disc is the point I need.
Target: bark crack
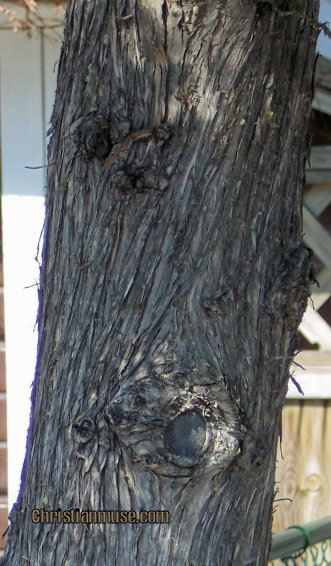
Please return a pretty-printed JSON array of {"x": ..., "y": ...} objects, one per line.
[{"x": 165, "y": 46}]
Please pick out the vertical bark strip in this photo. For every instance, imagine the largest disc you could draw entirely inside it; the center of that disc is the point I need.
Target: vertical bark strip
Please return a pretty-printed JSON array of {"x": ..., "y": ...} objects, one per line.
[{"x": 174, "y": 278}]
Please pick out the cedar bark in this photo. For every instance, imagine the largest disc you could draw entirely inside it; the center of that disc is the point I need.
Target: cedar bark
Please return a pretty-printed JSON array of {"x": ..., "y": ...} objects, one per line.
[{"x": 173, "y": 281}]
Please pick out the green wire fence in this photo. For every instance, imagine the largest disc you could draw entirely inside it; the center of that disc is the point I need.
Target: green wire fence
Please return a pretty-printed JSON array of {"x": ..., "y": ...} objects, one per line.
[{"x": 308, "y": 545}]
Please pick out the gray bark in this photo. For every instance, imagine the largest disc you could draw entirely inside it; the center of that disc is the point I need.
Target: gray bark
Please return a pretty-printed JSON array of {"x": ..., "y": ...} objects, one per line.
[{"x": 174, "y": 278}]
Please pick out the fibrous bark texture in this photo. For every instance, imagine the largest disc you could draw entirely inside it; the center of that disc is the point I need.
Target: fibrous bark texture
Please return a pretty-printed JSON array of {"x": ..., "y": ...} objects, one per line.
[{"x": 173, "y": 280}]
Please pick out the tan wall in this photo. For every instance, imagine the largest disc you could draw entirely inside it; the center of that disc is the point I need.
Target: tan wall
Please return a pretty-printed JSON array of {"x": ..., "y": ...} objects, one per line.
[{"x": 304, "y": 464}]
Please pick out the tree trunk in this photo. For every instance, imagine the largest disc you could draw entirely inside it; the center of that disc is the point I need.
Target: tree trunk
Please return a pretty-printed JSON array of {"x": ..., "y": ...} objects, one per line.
[{"x": 174, "y": 278}]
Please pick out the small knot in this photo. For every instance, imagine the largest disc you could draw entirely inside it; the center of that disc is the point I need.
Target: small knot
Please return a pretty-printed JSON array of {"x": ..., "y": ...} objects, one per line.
[
  {"x": 83, "y": 429},
  {"x": 92, "y": 134}
]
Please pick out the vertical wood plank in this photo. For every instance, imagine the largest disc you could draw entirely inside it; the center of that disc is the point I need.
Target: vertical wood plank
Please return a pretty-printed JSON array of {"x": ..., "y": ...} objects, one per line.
[
  {"x": 304, "y": 472},
  {"x": 286, "y": 471},
  {"x": 312, "y": 500}
]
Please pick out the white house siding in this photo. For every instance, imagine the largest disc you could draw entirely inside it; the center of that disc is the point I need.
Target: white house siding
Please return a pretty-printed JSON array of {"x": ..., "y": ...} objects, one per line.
[
  {"x": 324, "y": 43},
  {"x": 27, "y": 87}
]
